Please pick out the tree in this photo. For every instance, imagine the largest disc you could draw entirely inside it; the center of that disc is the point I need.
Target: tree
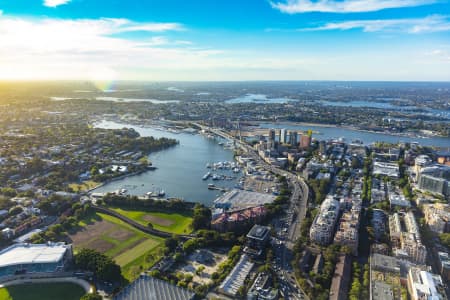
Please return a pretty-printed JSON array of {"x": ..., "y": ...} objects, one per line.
[
  {"x": 201, "y": 218},
  {"x": 171, "y": 243},
  {"x": 445, "y": 239},
  {"x": 101, "y": 265},
  {"x": 91, "y": 296},
  {"x": 15, "y": 210}
]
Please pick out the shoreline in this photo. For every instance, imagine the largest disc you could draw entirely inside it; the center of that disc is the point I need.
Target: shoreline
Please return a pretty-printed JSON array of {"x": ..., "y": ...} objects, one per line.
[
  {"x": 352, "y": 127},
  {"x": 117, "y": 179}
]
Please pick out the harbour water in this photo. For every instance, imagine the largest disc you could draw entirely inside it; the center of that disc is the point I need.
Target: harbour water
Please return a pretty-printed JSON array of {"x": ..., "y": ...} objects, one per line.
[
  {"x": 180, "y": 169},
  {"x": 366, "y": 137}
]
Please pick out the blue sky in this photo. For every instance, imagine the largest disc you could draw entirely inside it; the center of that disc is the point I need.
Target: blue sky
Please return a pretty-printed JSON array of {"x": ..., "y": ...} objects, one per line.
[{"x": 225, "y": 40}]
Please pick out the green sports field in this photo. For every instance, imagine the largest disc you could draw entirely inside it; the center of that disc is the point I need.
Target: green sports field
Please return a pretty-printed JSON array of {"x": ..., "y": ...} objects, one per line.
[
  {"x": 42, "y": 291},
  {"x": 120, "y": 241},
  {"x": 169, "y": 222}
]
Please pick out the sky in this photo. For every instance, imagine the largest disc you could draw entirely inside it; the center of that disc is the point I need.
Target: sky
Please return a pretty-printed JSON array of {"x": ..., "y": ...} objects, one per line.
[{"x": 225, "y": 40}]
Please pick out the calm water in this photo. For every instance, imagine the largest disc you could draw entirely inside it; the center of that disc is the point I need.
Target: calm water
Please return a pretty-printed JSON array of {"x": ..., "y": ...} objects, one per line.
[
  {"x": 258, "y": 98},
  {"x": 367, "y": 137},
  {"x": 386, "y": 105},
  {"x": 116, "y": 99},
  {"x": 180, "y": 168}
]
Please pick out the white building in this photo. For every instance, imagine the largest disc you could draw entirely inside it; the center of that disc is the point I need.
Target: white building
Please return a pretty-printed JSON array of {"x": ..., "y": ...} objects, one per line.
[
  {"x": 424, "y": 285},
  {"x": 34, "y": 258},
  {"x": 322, "y": 229}
]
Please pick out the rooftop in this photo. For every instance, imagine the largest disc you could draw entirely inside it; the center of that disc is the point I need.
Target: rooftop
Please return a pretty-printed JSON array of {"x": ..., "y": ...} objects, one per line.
[
  {"x": 379, "y": 261},
  {"x": 238, "y": 199},
  {"x": 32, "y": 254},
  {"x": 382, "y": 291},
  {"x": 150, "y": 288},
  {"x": 258, "y": 232}
]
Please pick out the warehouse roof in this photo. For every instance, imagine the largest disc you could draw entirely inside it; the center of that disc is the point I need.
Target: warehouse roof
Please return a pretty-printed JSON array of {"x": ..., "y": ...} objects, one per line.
[
  {"x": 150, "y": 288},
  {"x": 32, "y": 254}
]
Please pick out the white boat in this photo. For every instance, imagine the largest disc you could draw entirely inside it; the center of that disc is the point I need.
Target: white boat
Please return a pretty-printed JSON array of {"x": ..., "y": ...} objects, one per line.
[{"x": 206, "y": 176}]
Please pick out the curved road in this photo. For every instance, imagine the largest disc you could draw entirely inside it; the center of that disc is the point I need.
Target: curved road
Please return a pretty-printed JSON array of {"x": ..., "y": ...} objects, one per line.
[
  {"x": 298, "y": 204},
  {"x": 137, "y": 225}
]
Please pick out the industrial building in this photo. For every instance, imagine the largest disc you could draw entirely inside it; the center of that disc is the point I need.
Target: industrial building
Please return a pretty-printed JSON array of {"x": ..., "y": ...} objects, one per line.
[
  {"x": 230, "y": 286},
  {"x": 239, "y": 199}
]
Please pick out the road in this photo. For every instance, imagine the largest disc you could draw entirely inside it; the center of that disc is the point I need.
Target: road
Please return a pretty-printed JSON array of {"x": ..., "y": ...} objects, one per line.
[{"x": 296, "y": 212}]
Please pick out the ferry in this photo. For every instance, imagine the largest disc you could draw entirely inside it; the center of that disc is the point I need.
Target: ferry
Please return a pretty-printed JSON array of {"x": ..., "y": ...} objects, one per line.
[{"x": 206, "y": 176}]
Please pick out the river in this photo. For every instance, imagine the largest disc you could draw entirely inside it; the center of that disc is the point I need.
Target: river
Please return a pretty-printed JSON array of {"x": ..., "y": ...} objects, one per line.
[{"x": 179, "y": 169}]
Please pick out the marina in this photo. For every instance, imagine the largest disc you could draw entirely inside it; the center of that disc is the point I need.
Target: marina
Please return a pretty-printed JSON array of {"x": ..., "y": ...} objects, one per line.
[{"x": 181, "y": 170}]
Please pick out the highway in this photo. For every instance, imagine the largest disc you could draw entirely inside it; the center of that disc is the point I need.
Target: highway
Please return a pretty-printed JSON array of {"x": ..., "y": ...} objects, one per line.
[{"x": 292, "y": 222}]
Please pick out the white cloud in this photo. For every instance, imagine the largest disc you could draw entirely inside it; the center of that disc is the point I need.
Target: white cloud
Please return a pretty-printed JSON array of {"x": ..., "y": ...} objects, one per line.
[
  {"x": 55, "y": 3},
  {"x": 435, "y": 23},
  {"x": 440, "y": 54},
  {"x": 345, "y": 6},
  {"x": 86, "y": 48}
]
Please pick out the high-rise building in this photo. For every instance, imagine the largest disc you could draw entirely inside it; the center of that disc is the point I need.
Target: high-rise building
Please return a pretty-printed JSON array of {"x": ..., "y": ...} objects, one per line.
[
  {"x": 283, "y": 136},
  {"x": 271, "y": 139},
  {"x": 305, "y": 141},
  {"x": 293, "y": 138}
]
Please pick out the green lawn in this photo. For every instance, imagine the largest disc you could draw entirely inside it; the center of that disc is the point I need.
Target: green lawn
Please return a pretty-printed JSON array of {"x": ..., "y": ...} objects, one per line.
[
  {"x": 169, "y": 222},
  {"x": 129, "y": 251},
  {"x": 42, "y": 291}
]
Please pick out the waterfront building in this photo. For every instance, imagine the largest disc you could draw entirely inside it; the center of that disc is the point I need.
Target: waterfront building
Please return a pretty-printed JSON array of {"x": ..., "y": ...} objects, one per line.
[
  {"x": 239, "y": 199},
  {"x": 322, "y": 229},
  {"x": 283, "y": 136},
  {"x": 271, "y": 139},
  {"x": 305, "y": 141},
  {"x": 34, "y": 258},
  {"x": 239, "y": 220},
  {"x": 151, "y": 288},
  {"x": 293, "y": 138}
]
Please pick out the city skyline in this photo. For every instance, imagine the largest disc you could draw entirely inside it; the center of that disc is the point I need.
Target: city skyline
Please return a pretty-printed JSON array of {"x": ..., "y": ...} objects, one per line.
[{"x": 397, "y": 40}]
